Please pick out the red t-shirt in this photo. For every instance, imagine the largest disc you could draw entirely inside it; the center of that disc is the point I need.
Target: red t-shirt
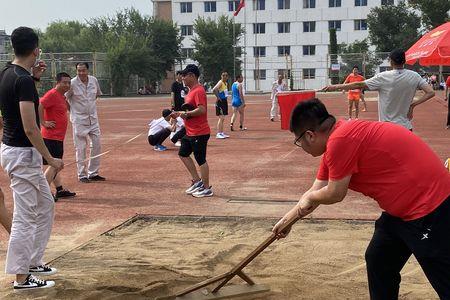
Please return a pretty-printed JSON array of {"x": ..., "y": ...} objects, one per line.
[
  {"x": 389, "y": 164},
  {"x": 448, "y": 82},
  {"x": 198, "y": 125},
  {"x": 55, "y": 109}
]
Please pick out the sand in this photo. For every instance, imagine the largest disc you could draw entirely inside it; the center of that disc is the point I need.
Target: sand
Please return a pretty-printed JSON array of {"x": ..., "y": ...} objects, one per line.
[{"x": 155, "y": 257}]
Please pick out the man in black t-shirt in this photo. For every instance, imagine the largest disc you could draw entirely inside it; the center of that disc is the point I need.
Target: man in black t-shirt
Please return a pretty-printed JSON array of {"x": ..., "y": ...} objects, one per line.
[
  {"x": 21, "y": 157},
  {"x": 178, "y": 93}
]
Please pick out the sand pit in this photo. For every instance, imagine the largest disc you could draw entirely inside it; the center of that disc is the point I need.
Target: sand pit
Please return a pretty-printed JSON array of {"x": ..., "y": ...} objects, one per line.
[{"x": 157, "y": 256}]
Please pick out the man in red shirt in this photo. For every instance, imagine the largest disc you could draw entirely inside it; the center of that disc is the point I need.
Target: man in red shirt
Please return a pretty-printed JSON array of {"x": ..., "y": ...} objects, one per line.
[
  {"x": 354, "y": 95},
  {"x": 197, "y": 133},
  {"x": 53, "y": 116},
  {"x": 398, "y": 170},
  {"x": 447, "y": 96}
]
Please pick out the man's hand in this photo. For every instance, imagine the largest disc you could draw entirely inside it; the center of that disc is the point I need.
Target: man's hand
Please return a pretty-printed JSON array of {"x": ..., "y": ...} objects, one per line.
[
  {"x": 56, "y": 163},
  {"x": 329, "y": 88},
  {"x": 289, "y": 217},
  {"x": 49, "y": 124},
  {"x": 38, "y": 69}
]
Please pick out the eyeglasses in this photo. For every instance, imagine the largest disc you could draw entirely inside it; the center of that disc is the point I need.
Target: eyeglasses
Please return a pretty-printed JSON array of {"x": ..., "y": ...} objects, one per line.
[{"x": 297, "y": 140}]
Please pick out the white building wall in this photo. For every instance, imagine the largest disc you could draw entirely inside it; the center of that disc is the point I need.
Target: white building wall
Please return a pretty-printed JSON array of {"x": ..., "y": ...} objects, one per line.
[{"x": 271, "y": 39}]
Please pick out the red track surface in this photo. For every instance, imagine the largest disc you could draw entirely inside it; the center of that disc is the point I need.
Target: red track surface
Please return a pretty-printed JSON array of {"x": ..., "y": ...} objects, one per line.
[{"x": 259, "y": 164}]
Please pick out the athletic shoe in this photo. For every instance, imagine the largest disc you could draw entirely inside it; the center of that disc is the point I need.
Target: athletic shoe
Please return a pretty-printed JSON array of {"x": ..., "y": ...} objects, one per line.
[
  {"x": 97, "y": 178},
  {"x": 64, "y": 194},
  {"x": 225, "y": 135},
  {"x": 231, "y": 127},
  {"x": 178, "y": 144},
  {"x": 55, "y": 198},
  {"x": 156, "y": 148},
  {"x": 163, "y": 148},
  {"x": 42, "y": 270},
  {"x": 83, "y": 180},
  {"x": 203, "y": 192},
  {"x": 243, "y": 128},
  {"x": 220, "y": 136},
  {"x": 272, "y": 119},
  {"x": 33, "y": 282},
  {"x": 194, "y": 187}
]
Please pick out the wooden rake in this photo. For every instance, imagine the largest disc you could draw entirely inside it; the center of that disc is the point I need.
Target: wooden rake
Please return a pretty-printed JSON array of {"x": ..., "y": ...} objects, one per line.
[{"x": 194, "y": 293}]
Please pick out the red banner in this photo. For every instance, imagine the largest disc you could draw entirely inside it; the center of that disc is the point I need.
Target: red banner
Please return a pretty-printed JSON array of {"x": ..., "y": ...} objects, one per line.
[{"x": 240, "y": 6}]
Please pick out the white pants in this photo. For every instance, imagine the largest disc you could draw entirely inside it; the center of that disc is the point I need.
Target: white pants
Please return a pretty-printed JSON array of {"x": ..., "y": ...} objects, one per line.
[
  {"x": 274, "y": 109},
  {"x": 82, "y": 136},
  {"x": 33, "y": 208}
]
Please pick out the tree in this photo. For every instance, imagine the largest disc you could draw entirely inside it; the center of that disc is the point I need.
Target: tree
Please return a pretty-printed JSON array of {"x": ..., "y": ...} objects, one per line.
[
  {"x": 434, "y": 13},
  {"x": 393, "y": 26},
  {"x": 358, "y": 54},
  {"x": 213, "y": 46},
  {"x": 63, "y": 36},
  {"x": 333, "y": 55}
]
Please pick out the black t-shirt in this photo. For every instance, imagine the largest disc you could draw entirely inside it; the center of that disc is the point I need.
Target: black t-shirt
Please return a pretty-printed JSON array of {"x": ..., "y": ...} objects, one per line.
[
  {"x": 177, "y": 89},
  {"x": 16, "y": 84}
]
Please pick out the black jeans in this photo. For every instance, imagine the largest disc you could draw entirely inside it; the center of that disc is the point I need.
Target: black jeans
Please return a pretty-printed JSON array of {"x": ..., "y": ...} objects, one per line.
[
  {"x": 393, "y": 242},
  {"x": 179, "y": 135},
  {"x": 159, "y": 137}
]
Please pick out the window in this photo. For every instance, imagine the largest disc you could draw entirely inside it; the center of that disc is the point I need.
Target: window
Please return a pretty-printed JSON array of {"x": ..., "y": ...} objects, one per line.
[
  {"x": 259, "y": 4},
  {"x": 360, "y": 25},
  {"x": 261, "y": 75},
  {"x": 387, "y": 2},
  {"x": 309, "y": 26},
  {"x": 309, "y": 73},
  {"x": 186, "y": 7},
  {"x": 186, "y": 30},
  {"x": 259, "y": 51},
  {"x": 334, "y": 3},
  {"x": 284, "y": 50},
  {"x": 210, "y": 6},
  {"x": 187, "y": 52},
  {"x": 284, "y": 4},
  {"x": 309, "y": 50},
  {"x": 259, "y": 28},
  {"x": 360, "y": 2},
  {"x": 309, "y": 3},
  {"x": 284, "y": 27},
  {"x": 233, "y": 5},
  {"x": 334, "y": 25}
]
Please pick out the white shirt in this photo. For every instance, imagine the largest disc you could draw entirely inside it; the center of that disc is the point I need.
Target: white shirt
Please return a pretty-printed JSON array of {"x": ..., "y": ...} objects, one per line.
[
  {"x": 82, "y": 100},
  {"x": 158, "y": 125},
  {"x": 276, "y": 88},
  {"x": 396, "y": 90},
  {"x": 179, "y": 125}
]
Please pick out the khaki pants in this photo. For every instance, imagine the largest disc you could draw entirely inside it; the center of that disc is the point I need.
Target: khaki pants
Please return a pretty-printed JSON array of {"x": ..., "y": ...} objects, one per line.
[
  {"x": 33, "y": 208},
  {"x": 82, "y": 135}
]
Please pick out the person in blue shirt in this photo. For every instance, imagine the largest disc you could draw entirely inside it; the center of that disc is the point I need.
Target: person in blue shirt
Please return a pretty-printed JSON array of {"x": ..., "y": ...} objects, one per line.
[{"x": 238, "y": 102}]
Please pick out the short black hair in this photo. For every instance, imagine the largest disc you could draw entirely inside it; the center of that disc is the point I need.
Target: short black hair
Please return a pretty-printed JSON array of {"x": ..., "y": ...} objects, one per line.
[
  {"x": 191, "y": 69},
  {"x": 166, "y": 112},
  {"x": 310, "y": 115},
  {"x": 238, "y": 76},
  {"x": 24, "y": 40},
  {"x": 178, "y": 73},
  {"x": 355, "y": 67},
  {"x": 61, "y": 75},
  {"x": 398, "y": 56},
  {"x": 82, "y": 64}
]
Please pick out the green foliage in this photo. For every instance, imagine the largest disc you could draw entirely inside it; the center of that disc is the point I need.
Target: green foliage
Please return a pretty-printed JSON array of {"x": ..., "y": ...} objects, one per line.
[
  {"x": 393, "y": 26},
  {"x": 64, "y": 36},
  {"x": 358, "y": 54},
  {"x": 214, "y": 47},
  {"x": 433, "y": 12},
  {"x": 333, "y": 55}
]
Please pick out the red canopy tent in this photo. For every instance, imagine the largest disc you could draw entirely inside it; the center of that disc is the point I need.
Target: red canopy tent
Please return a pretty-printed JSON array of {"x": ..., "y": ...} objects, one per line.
[{"x": 433, "y": 49}]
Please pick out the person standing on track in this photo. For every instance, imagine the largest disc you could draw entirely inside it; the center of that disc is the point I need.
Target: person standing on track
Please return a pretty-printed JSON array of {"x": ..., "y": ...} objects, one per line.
[
  {"x": 238, "y": 102},
  {"x": 277, "y": 86},
  {"x": 221, "y": 92},
  {"x": 53, "y": 116},
  {"x": 197, "y": 133},
  {"x": 397, "y": 169},
  {"x": 353, "y": 95},
  {"x": 82, "y": 98},
  {"x": 22, "y": 151},
  {"x": 396, "y": 90},
  {"x": 178, "y": 93}
]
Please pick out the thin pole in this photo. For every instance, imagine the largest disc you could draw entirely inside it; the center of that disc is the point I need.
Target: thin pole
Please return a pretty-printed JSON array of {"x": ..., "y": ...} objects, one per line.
[
  {"x": 234, "y": 48},
  {"x": 245, "y": 48}
]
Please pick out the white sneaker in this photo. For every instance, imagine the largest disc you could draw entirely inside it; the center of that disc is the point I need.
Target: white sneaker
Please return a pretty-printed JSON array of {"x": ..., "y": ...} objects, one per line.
[
  {"x": 178, "y": 144},
  {"x": 203, "y": 192},
  {"x": 42, "y": 270},
  {"x": 220, "y": 136},
  {"x": 194, "y": 187},
  {"x": 33, "y": 282},
  {"x": 225, "y": 135}
]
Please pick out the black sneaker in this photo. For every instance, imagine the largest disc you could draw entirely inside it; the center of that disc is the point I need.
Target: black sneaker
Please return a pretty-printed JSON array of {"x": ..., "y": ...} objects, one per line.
[
  {"x": 42, "y": 270},
  {"x": 33, "y": 282},
  {"x": 64, "y": 194},
  {"x": 83, "y": 180},
  {"x": 97, "y": 178}
]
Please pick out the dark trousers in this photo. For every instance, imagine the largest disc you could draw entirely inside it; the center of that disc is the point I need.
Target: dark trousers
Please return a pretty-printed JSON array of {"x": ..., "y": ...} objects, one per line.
[
  {"x": 159, "y": 137},
  {"x": 393, "y": 242},
  {"x": 179, "y": 135}
]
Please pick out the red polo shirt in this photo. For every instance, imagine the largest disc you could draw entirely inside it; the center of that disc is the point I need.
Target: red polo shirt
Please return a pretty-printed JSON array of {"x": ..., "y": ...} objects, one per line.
[
  {"x": 55, "y": 109},
  {"x": 389, "y": 164},
  {"x": 198, "y": 125}
]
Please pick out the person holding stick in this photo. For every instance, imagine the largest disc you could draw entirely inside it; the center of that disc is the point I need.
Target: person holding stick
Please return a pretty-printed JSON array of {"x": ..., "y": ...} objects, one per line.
[{"x": 398, "y": 170}]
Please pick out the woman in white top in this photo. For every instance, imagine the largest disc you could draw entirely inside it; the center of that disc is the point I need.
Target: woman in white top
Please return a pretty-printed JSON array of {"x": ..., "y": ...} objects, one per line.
[{"x": 159, "y": 131}]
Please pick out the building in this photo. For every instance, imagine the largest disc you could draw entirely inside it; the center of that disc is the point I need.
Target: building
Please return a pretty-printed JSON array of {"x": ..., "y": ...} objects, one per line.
[
  {"x": 282, "y": 36},
  {"x": 5, "y": 41}
]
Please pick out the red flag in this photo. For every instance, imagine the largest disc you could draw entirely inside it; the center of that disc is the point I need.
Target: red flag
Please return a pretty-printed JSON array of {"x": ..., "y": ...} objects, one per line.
[{"x": 240, "y": 6}]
